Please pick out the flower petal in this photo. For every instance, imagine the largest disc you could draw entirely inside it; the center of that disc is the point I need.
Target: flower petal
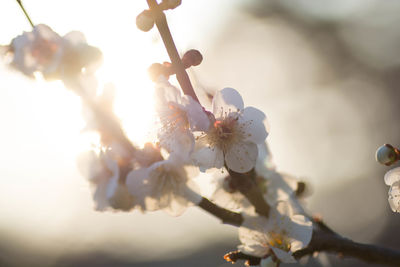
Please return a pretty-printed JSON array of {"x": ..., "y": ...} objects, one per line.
[
  {"x": 394, "y": 197},
  {"x": 198, "y": 119},
  {"x": 300, "y": 232},
  {"x": 227, "y": 100},
  {"x": 136, "y": 182},
  {"x": 254, "y": 249},
  {"x": 241, "y": 157},
  {"x": 206, "y": 157},
  {"x": 252, "y": 124},
  {"x": 392, "y": 176},
  {"x": 283, "y": 256}
]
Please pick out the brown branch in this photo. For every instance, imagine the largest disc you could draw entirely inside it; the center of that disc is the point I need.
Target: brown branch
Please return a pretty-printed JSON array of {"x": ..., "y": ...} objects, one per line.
[
  {"x": 332, "y": 242},
  {"x": 162, "y": 26},
  {"x": 226, "y": 216}
]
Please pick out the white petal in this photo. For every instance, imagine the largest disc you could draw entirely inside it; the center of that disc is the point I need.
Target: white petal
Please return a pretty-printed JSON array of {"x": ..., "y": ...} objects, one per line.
[
  {"x": 176, "y": 205},
  {"x": 254, "y": 250},
  {"x": 45, "y": 32},
  {"x": 253, "y": 231},
  {"x": 252, "y": 124},
  {"x": 280, "y": 187},
  {"x": 264, "y": 162},
  {"x": 208, "y": 157},
  {"x": 180, "y": 142},
  {"x": 75, "y": 37},
  {"x": 198, "y": 119},
  {"x": 99, "y": 196},
  {"x": 165, "y": 92},
  {"x": 227, "y": 100},
  {"x": 392, "y": 176},
  {"x": 136, "y": 182},
  {"x": 191, "y": 192},
  {"x": 394, "y": 197},
  {"x": 300, "y": 232},
  {"x": 241, "y": 157},
  {"x": 285, "y": 257}
]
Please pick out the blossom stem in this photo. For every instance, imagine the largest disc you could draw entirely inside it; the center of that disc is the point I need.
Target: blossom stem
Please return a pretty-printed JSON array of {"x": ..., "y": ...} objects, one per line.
[
  {"x": 227, "y": 216},
  {"x": 162, "y": 26},
  {"x": 26, "y": 13}
]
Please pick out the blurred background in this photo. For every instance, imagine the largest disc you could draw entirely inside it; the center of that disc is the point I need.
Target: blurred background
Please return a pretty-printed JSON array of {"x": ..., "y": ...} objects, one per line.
[{"x": 326, "y": 74}]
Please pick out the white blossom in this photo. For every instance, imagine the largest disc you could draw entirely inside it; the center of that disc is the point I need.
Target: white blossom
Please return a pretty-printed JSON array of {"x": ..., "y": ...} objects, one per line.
[
  {"x": 275, "y": 187},
  {"x": 164, "y": 185},
  {"x": 103, "y": 174},
  {"x": 281, "y": 234},
  {"x": 233, "y": 137},
  {"x": 392, "y": 178},
  {"x": 179, "y": 116},
  {"x": 68, "y": 58}
]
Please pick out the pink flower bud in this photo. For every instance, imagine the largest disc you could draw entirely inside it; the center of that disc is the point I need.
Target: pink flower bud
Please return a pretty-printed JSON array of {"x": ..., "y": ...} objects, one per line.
[{"x": 144, "y": 21}]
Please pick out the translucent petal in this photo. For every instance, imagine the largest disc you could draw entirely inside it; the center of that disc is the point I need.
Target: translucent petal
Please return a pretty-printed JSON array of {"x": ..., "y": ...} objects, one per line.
[
  {"x": 280, "y": 187},
  {"x": 99, "y": 196},
  {"x": 165, "y": 92},
  {"x": 206, "y": 157},
  {"x": 394, "y": 197},
  {"x": 190, "y": 192},
  {"x": 136, "y": 182},
  {"x": 254, "y": 250},
  {"x": 392, "y": 176},
  {"x": 227, "y": 100},
  {"x": 300, "y": 232},
  {"x": 241, "y": 157},
  {"x": 178, "y": 141},
  {"x": 198, "y": 119},
  {"x": 252, "y": 124},
  {"x": 285, "y": 257},
  {"x": 75, "y": 37}
]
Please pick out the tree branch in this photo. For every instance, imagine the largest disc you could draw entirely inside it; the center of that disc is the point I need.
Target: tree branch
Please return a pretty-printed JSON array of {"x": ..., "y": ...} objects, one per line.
[
  {"x": 162, "y": 26},
  {"x": 332, "y": 242},
  {"x": 226, "y": 216}
]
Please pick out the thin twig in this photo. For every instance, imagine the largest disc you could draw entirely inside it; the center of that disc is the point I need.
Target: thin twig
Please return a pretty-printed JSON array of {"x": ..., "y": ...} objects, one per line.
[
  {"x": 162, "y": 26},
  {"x": 26, "y": 13}
]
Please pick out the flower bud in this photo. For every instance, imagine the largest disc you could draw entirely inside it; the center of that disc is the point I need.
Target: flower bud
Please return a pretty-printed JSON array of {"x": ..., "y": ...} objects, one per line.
[
  {"x": 192, "y": 58},
  {"x": 387, "y": 155},
  {"x": 144, "y": 21},
  {"x": 156, "y": 70}
]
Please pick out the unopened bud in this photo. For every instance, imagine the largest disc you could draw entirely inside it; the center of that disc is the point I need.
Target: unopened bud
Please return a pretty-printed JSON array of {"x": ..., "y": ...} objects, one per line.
[
  {"x": 156, "y": 70},
  {"x": 145, "y": 21},
  {"x": 387, "y": 155},
  {"x": 171, "y": 4},
  {"x": 192, "y": 58}
]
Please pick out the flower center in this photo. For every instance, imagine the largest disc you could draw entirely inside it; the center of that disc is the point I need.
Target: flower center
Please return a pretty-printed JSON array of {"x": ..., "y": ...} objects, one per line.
[
  {"x": 224, "y": 132},
  {"x": 279, "y": 241}
]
